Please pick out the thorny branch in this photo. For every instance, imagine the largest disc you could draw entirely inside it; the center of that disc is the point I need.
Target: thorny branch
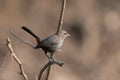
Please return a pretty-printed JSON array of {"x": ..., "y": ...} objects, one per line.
[{"x": 13, "y": 55}]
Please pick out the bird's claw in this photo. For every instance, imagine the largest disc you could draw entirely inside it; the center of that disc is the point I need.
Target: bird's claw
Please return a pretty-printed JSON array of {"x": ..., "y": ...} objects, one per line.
[{"x": 53, "y": 61}]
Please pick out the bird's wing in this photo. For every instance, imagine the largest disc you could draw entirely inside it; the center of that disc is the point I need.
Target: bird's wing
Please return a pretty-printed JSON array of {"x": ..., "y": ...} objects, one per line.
[{"x": 50, "y": 41}]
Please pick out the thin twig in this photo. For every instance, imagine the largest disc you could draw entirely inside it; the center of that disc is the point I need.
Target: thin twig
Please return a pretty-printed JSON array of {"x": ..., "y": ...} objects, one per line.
[
  {"x": 13, "y": 55},
  {"x": 48, "y": 73},
  {"x": 36, "y": 78},
  {"x": 18, "y": 37},
  {"x": 60, "y": 22},
  {"x": 25, "y": 42},
  {"x": 48, "y": 69},
  {"x": 43, "y": 69},
  {"x": 49, "y": 63}
]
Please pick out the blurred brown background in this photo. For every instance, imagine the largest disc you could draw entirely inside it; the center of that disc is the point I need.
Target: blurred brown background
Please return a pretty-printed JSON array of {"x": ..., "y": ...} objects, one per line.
[{"x": 92, "y": 53}]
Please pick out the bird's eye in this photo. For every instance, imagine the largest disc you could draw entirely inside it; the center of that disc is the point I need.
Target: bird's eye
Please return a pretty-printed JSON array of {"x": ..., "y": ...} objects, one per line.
[{"x": 65, "y": 33}]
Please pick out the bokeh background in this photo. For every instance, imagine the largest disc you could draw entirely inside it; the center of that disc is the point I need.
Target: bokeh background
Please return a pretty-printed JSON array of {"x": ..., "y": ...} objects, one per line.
[{"x": 91, "y": 53}]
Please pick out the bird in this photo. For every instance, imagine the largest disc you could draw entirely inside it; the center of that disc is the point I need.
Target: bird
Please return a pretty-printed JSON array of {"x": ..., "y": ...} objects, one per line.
[{"x": 50, "y": 44}]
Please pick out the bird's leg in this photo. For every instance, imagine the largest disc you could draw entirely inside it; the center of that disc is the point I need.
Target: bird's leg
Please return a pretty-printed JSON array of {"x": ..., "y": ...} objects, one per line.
[
  {"x": 52, "y": 60},
  {"x": 50, "y": 57},
  {"x": 46, "y": 53}
]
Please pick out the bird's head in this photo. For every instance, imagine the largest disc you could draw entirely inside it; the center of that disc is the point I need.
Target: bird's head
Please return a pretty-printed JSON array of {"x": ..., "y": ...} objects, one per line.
[{"x": 63, "y": 34}]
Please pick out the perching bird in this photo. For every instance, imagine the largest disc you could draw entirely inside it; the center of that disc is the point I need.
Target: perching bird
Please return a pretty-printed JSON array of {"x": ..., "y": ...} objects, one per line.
[
  {"x": 50, "y": 44},
  {"x": 54, "y": 42}
]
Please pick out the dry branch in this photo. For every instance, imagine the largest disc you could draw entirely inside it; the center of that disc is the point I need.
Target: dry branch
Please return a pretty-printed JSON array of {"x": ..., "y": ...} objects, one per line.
[
  {"x": 49, "y": 63},
  {"x": 48, "y": 73},
  {"x": 25, "y": 42},
  {"x": 43, "y": 69},
  {"x": 18, "y": 37},
  {"x": 60, "y": 22},
  {"x": 48, "y": 69},
  {"x": 14, "y": 57}
]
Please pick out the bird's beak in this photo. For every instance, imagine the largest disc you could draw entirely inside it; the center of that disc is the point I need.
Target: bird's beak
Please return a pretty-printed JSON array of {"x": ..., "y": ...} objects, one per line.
[{"x": 68, "y": 35}]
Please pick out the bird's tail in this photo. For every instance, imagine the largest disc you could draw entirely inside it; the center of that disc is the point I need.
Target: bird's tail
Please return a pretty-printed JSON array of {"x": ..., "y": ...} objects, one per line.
[{"x": 31, "y": 33}]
